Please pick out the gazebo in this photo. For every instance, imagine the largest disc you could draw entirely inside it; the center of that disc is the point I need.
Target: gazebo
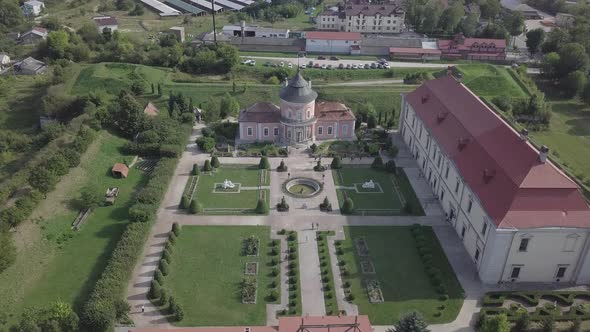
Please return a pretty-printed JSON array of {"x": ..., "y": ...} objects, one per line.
[{"x": 120, "y": 170}]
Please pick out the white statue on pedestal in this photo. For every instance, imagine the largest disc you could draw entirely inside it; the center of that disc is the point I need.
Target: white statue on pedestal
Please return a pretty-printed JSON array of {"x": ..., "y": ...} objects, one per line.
[
  {"x": 369, "y": 185},
  {"x": 227, "y": 184}
]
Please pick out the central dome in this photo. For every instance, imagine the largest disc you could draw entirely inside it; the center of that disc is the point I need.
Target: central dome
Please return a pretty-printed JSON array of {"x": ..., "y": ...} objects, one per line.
[{"x": 298, "y": 91}]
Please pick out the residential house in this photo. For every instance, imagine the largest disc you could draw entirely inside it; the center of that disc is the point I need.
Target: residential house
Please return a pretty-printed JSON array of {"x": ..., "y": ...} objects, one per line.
[
  {"x": 29, "y": 66},
  {"x": 461, "y": 47},
  {"x": 107, "y": 23},
  {"x": 383, "y": 17},
  {"x": 329, "y": 42},
  {"x": 32, "y": 8},
  {"x": 178, "y": 32},
  {"x": 519, "y": 217},
  {"x": 299, "y": 119},
  {"x": 33, "y": 36}
]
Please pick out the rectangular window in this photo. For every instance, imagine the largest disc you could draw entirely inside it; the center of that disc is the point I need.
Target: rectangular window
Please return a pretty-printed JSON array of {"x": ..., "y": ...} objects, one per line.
[
  {"x": 463, "y": 230},
  {"x": 320, "y": 130},
  {"x": 484, "y": 228},
  {"x": 469, "y": 206},
  {"x": 477, "y": 254},
  {"x": 447, "y": 172},
  {"x": 439, "y": 160},
  {"x": 515, "y": 272},
  {"x": 276, "y": 131},
  {"x": 457, "y": 186},
  {"x": 345, "y": 130},
  {"x": 250, "y": 131},
  {"x": 330, "y": 129},
  {"x": 289, "y": 133},
  {"x": 561, "y": 272},
  {"x": 524, "y": 244},
  {"x": 266, "y": 132},
  {"x": 442, "y": 195}
]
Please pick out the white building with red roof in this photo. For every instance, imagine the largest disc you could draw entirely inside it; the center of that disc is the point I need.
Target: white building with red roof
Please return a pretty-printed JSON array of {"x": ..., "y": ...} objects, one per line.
[
  {"x": 298, "y": 120},
  {"x": 519, "y": 216},
  {"x": 108, "y": 23}
]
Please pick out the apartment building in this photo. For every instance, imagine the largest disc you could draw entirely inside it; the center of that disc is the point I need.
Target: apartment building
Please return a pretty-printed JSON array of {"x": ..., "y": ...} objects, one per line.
[
  {"x": 364, "y": 17},
  {"x": 520, "y": 218}
]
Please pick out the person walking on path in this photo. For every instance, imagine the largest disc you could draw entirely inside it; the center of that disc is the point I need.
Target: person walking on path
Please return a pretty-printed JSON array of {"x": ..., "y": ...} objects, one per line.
[{"x": 142, "y": 308}]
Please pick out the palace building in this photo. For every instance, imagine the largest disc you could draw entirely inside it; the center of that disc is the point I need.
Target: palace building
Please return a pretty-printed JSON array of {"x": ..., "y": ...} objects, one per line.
[
  {"x": 299, "y": 118},
  {"x": 520, "y": 217}
]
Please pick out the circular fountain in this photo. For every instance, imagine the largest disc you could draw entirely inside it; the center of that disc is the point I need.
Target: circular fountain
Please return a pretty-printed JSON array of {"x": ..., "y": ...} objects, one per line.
[{"x": 302, "y": 187}]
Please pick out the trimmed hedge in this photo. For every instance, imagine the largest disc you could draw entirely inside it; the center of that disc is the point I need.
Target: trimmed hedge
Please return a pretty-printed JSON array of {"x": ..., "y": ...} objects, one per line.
[{"x": 98, "y": 313}]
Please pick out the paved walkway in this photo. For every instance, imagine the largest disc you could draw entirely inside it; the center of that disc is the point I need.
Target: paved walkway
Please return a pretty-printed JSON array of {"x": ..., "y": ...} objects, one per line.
[{"x": 312, "y": 295}]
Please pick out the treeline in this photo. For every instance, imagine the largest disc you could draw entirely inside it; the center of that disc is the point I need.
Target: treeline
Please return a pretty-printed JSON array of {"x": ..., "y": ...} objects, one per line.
[{"x": 430, "y": 17}]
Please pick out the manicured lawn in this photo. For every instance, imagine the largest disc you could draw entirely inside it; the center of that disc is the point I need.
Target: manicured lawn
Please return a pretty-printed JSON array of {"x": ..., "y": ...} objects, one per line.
[
  {"x": 235, "y": 201},
  {"x": 207, "y": 269},
  {"x": 387, "y": 198},
  {"x": 400, "y": 272},
  {"x": 61, "y": 264},
  {"x": 489, "y": 80}
]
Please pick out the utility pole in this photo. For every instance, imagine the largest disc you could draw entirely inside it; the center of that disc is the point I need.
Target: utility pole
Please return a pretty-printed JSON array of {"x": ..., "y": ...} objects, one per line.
[{"x": 213, "y": 13}]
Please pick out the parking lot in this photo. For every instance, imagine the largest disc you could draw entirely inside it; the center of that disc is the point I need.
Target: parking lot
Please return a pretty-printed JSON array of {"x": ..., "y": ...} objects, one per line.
[{"x": 329, "y": 62}]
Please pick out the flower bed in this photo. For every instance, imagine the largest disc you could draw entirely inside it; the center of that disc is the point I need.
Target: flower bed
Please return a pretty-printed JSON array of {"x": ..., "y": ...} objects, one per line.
[
  {"x": 251, "y": 246},
  {"x": 362, "y": 248},
  {"x": 367, "y": 266},
  {"x": 374, "y": 291},
  {"x": 248, "y": 290},
  {"x": 251, "y": 269}
]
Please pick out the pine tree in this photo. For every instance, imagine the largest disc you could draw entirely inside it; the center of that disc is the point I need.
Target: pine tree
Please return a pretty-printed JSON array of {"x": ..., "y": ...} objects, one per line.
[
  {"x": 159, "y": 90},
  {"x": 412, "y": 322},
  {"x": 153, "y": 90}
]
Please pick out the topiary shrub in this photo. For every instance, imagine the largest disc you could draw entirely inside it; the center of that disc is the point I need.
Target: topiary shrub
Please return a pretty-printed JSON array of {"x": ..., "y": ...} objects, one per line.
[
  {"x": 391, "y": 167},
  {"x": 195, "y": 207},
  {"x": 215, "y": 162},
  {"x": 377, "y": 163},
  {"x": 195, "y": 170},
  {"x": 282, "y": 167},
  {"x": 336, "y": 163},
  {"x": 348, "y": 206},
  {"x": 159, "y": 277},
  {"x": 184, "y": 202},
  {"x": 163, "y": 266},
  {"x": 273, "y": 296},
  {"x": 176, "y": 228},
  {"x": 261, "y": 207},
  {"x": 207, "y": 167},
  {"x": 314, "y": 148},
  {"x": 264, "y": 163},
  {"x": 171, "y": 238},
  {"x": 282, "y": 206},
  {"x": 155, "y": 290},
  {"x": 326, "y": 205},
  {"x": 319, "y": 167},
  {"x": 178, "y": 313},
  {"x": 166, "y": 255},
  {"x": 164, "y": 298}
]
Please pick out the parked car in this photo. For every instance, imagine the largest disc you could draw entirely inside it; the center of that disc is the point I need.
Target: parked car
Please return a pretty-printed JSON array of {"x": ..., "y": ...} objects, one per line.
[
  {"x": 334, "y": 58},
  {"x": 382, "y": 61},
  {"x": 252, "y": 63},
  {"x": 302, "y": 66},
  {"x": 386, "y": 65},
  {"x": 289, "y": 65},
  {"x": 374, "y": 65},
  {"x": 281, "y": 64},
  {"x": 267, "y": 64},
  {"x": 367, "y": 66},
  {"x": 275, "y": 65},
  {"x": 324, "y": 66},
  {"x": 321, "y": 57},
  {"x": 330, "y": 67},
  {"x": 380, "y": 66},
  {"x": 317, "y": 65},
  {"x": 246, "y": 62},
  {"x": 355, "y": 66},
  {"x": 310, "y": 64},
  {"x": 348, "y": 66},
  {"x": 341, "y": 66}
]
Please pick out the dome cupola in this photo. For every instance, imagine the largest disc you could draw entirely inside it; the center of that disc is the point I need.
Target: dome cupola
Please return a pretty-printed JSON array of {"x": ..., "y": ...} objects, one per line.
[{"x": 298, "y": 91}]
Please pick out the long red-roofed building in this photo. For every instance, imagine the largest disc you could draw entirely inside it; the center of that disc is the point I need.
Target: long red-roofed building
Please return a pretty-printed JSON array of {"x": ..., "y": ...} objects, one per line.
[
  {"x": 461, "y": 47},
  {"x": 519, "y": 216}
]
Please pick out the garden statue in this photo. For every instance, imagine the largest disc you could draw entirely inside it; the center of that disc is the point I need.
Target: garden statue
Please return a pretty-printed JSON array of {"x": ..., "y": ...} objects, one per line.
[
  {"x": 369, "y": 185},
  {"x": 227, "y": 184}
]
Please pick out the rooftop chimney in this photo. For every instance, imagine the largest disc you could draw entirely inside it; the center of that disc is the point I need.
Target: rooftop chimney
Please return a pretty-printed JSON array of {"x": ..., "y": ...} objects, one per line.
[
  {"x": 425, "y": 98},
  {"x": 524, "y": 134},
  {"x": 543, "y": 154},
  {"x": 462, "y": 143},
  {"x": 441, "y": 116},
  {"x": 488, "y": 175}
]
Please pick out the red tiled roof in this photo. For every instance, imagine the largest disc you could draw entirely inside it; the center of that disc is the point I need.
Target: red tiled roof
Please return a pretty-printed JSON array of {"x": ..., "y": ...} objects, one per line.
[
  {"x": 521, "y": 192},
  {"x": 39, "y": 29},
  {"x": 151, "y": 110},
  {"x": 468, "y": 43},
  {"x": 105, "y": 20},
  {"x": 325, "y": 324},
  {"x": 120, "y": 168},
  {"x": 334, "y": 111},
  {"x": 413, "y": 50},
  {"x": 331, "y": 35},
  {"x": 261, "y": 112}
]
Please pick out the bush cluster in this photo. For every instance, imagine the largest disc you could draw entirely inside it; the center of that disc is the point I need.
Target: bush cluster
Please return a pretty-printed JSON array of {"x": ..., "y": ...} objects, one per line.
[
  {"x": 348, "y": 206},
  {"x": 264, "y": 163},
  {"x": 99, "y": 312},
  {"x": 282, "y": 167},
  {"x": 424, "y": 248},
  {"x": 326, "y": 205},
  {"x": 293, "y": 291},
  {"x": 336, "y": 163},
  {"x": 283, "y": 206}
]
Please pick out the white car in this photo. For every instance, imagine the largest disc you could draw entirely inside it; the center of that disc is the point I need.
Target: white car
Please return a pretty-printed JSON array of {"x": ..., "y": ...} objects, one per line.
[
  {"x": 252, "y": 63},
  {"x": 386, "y": 65},
  {"x": 324, "y": 66},
  {"x": 303, "y": 66},
  {"x": 246, "y": 62},
  {"x": 289, "y": 65},
  {"x": 281, "y": 64},
  {"x": 354, "y": 66}
]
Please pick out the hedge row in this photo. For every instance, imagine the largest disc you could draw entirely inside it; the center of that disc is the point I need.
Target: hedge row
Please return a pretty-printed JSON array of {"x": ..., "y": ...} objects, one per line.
[
  {"x": 153, "y": 150},
  {"x": 99, "y": 311},
  {"x": 424, "y": 248},
  {"x": 493, "y": 301}
]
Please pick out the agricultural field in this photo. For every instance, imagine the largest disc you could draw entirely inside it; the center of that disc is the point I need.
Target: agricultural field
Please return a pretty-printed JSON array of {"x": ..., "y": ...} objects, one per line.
[
  {"x": 389, "y": 197},
  {"x": 56, "y": 263},
  {"x": 206, "y": 271},
  {"x": 389, "y": 257}
]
